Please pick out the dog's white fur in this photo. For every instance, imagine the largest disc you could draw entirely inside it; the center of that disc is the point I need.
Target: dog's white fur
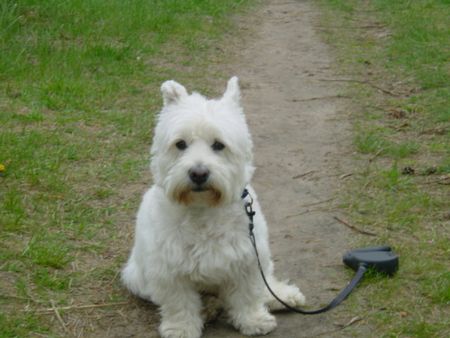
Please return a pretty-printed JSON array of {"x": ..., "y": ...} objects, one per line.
[{"x": 188, "y": 241}]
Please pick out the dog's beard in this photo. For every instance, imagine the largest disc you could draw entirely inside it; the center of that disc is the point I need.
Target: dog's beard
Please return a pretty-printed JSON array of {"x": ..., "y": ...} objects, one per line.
[{"x": 209, "y": 196}]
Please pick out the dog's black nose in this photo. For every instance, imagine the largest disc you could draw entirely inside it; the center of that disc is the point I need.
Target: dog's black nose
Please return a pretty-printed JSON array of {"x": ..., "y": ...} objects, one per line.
[{"x": 199, "y": 174}]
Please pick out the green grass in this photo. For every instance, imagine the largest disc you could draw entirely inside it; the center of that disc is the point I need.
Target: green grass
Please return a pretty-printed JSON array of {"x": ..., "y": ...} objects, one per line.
[
  {"x": 375, "y": 143},
  {"x": 79, "y": 85},
  {"x": 72, "y": 55},
  {"x": 404, "y": 47}
]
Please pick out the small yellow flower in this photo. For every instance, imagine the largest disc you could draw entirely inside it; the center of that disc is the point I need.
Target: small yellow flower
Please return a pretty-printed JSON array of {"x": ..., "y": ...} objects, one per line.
[{"x": 2, "y": 168}]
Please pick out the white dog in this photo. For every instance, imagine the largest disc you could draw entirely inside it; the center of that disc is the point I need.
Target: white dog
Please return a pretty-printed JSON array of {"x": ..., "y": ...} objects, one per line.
[{"x": 192, "y": 230}]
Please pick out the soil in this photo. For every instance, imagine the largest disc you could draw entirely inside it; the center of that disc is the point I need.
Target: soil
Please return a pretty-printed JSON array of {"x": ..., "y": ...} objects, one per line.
[{"x": 302, "y": 148}]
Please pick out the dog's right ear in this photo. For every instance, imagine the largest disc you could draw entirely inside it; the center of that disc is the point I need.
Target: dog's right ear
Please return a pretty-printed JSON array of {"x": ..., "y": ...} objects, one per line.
[{"x": 172, "y": 92}]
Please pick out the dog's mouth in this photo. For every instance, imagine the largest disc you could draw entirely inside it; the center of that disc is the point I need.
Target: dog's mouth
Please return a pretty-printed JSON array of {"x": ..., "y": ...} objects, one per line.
[{"x": 199, "y": 189}]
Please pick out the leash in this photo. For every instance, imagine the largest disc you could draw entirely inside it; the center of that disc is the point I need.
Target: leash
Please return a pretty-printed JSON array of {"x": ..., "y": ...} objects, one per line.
[{"x": 361, "y": 269}]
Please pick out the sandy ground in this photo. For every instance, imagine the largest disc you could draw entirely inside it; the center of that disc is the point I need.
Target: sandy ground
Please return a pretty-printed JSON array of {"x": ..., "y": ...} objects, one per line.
[{"x": 301, "y": 134}]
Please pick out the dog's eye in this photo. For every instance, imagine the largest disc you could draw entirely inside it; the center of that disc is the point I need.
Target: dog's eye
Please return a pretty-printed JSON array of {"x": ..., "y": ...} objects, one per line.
[
  {"x": 181, "y": 145},
  {"x": 217, "y": 146}
]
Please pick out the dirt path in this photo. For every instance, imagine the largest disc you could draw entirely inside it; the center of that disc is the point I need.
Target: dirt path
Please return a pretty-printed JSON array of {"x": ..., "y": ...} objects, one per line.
[{"x": 301, "y": 141}]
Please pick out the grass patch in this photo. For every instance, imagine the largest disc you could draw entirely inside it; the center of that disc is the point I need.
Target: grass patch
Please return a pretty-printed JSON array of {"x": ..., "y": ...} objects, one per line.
[
  {"x": 402, "y": 136},
  {"x": 48, "y": 280},
  {"x": 48, "y": 252},
  {"x": 375, "y": 143},
  {"x": 79, "y": 85}
]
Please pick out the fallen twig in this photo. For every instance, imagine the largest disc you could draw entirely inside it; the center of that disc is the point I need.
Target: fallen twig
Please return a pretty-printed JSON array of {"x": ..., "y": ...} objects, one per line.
[
  {"x": 376, "y": 155},
  {"x": 345, "y": 176},
  {"x": 80, "y": 307},
  {"x": 303, "y": 175},
  {"x": 114, "y": 278},
  {"x": 351, "y": 322},
  {"x": 315, "y": 203},
  {"x": 366, "y": 185},
  {"x": 29, "y": 299},
  {"x": 322, "y": 98},
  {"x": 363, "y": 82},
  {"x": 445, "y": 180},
  {"x": 364, "y": 232},
  {"x": 58, "y": 316},
  {"x": 340, "y": 326},
  {"x": 298, "y": 214},
  {"x": 308, "y": 211}
]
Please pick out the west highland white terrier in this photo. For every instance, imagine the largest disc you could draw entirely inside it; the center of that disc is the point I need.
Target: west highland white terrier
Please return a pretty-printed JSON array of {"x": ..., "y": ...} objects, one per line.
[{"x": 192, "y": 231}]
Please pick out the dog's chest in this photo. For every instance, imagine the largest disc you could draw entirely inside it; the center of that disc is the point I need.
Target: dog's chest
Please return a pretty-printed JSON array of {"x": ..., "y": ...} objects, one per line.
[{"x": 215, "y": 249}]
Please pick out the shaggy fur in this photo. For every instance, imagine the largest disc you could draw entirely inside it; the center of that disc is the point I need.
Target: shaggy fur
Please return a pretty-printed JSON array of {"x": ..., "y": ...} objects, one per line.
[{"x": 192, "y": 230}]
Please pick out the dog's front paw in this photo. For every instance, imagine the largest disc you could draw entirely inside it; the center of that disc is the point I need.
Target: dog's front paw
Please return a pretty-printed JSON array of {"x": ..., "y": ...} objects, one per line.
[
  {"x": 259, "y": 323},
  {"x": 179, "y": 330},
  {"x": 290, "y": 294}
]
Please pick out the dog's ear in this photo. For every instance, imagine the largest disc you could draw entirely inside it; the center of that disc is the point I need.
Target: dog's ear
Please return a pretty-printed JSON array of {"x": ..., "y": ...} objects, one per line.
[
  {"x": 172, "y": 92},
  {"x": 233, "y": 93}
]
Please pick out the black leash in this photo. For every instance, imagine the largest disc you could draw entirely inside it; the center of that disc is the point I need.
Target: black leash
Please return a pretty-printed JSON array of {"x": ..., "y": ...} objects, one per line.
[{"x": 335, "y": 302}]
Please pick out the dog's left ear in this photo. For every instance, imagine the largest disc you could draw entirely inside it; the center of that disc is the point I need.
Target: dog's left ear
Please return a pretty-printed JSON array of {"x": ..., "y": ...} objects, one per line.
[{"x": 233, "y": 93}]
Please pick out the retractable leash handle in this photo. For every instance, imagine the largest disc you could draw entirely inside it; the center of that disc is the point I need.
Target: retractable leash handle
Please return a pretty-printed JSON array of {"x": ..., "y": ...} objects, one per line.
[{"x": 381, "y": 259}]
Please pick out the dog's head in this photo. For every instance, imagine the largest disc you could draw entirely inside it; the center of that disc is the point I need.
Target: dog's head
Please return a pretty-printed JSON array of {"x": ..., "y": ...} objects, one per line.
[{"x": 202, "y": 149}]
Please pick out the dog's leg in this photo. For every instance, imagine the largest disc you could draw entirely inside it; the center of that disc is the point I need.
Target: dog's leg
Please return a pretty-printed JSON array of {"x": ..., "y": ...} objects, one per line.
[
  {"x": 180, "y": 308},
  {"x": 246, "y": 308},
  {"x": 288, "y": 293}
]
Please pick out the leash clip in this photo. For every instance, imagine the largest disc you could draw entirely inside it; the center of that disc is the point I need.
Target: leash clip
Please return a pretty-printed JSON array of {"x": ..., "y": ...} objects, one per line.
[{"x": 250, "y": 213}]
